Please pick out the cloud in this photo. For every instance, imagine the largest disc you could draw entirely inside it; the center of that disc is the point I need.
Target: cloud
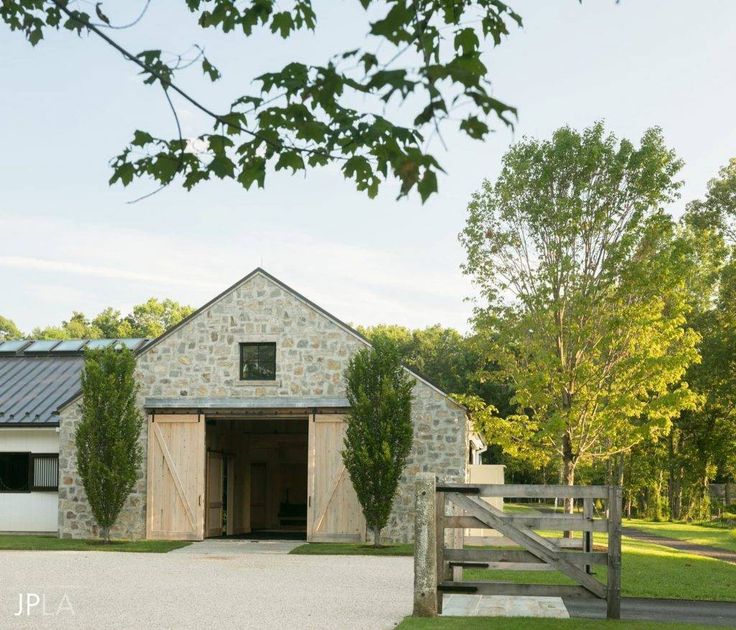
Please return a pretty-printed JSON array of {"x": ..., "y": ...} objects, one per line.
[
  {"x": 113, "y": 266},
  {"x": 39, "y": 264}
]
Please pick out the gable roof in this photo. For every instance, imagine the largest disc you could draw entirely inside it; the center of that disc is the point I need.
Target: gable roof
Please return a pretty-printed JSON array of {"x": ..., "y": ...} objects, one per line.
[{"x": 262, "y": 272}]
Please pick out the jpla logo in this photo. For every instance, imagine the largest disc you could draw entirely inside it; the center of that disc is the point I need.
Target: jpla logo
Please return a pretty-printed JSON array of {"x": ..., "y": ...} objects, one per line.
[{"x": 35, "y": 604}]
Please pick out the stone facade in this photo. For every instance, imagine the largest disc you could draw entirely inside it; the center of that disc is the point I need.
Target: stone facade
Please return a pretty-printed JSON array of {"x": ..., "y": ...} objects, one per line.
[{"x": 200, "y": 359}]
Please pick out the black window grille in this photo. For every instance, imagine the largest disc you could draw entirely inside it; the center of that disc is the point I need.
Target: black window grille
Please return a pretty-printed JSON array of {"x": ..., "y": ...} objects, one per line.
[
  {"x": 45, "y": 472},
  {"x": 258, "y": 361}
]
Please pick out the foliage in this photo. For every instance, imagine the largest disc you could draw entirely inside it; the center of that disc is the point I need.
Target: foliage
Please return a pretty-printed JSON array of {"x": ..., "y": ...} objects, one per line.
[
  {"x": 586, "y": 303},
  {"x": 109, "y": 453},
  {"x": 441, "y": 354},
  {"x": 701, "y": 446},
  {"x": 421, "y": 58},
  {"x": 149, "y": 319},
  {"x": 8, "y": 330},
  {"x": 154, "y": 317},
  {"x": 379, "y": 430}
]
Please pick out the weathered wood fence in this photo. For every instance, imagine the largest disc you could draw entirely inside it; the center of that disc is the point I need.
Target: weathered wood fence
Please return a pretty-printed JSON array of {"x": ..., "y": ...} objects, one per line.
[{"x": 438, "y": 565}]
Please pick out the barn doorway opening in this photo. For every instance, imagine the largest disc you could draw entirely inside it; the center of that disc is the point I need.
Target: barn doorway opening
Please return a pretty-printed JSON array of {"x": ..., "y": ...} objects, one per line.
[{"x": 256, "y": 477}]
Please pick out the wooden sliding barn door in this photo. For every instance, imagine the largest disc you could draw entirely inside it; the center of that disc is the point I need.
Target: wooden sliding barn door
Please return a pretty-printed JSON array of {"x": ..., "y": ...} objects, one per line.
[
  {"x": 333, "y": 511},
  {"x": 176, "y": 475}
]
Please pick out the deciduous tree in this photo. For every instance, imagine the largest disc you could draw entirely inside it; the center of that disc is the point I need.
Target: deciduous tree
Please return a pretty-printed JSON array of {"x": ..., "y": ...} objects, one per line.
[
  {"x": 8, "y": 330},
  {"x": 582, "y": 276}
]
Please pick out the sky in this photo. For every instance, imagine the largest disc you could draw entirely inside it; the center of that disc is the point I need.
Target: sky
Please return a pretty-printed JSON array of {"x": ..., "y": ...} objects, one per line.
[{"x": 69, "y": 241}]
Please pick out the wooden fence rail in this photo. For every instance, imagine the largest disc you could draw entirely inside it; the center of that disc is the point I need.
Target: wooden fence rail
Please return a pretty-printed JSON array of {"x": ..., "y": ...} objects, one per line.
[{"x": 438, "y": 567}]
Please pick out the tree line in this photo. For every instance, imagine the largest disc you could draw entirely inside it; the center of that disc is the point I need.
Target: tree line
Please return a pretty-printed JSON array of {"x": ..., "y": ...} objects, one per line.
[
  {"x": 147, "y": 320},
  {"x": 602, "y": 342}
]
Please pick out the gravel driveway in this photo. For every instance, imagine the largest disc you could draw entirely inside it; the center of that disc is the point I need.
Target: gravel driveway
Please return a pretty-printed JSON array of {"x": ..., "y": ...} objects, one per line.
[{"x": 190, "y": 590}]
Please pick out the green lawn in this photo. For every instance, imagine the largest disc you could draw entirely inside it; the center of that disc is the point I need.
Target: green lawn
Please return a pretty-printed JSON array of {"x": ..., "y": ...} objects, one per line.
[
  {"x": 49, "y": 543},
  {"x": 722, "y": 537},
  {"x": 529, "y": 623},
  {"x": 346, "y": 549},
  {"x": 647, "y": 571}
]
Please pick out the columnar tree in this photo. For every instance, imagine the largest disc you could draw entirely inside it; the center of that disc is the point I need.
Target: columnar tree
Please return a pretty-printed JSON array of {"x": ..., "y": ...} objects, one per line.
[
  {"x": 379, "y": 429},
  {"x": 109, "y": 453},
  {"x": 582, "y": 273}
]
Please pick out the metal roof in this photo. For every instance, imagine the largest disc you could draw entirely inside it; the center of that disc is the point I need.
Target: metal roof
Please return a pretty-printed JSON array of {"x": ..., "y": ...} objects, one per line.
[
  {"x": 36, "y": 377},
  {"x": 31, "y": 388}
]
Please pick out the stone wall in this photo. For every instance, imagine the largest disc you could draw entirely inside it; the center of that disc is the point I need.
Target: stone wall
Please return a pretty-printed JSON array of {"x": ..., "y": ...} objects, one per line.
[
  {"x": 201, "y": 359},
  {"x": 75, "y": 516}
]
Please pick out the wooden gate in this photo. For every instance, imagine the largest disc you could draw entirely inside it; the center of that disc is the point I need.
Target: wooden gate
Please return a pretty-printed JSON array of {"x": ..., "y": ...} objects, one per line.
[
  {"x": 176, "y": 476},
  {"x": 439, "y": 569},
  {"x": 333, "y": 510}
]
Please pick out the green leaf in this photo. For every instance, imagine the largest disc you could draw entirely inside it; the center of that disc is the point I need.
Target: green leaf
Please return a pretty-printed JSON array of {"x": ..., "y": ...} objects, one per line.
[
  {"x": 427, "y": 185},
  {"x": 290, "y": 159},
  {"x": 141, "y": 138},
  {"x": 467, "y": 41},
  {"x": 210, "y": 70},
  {"x": 474, "y": 127}
]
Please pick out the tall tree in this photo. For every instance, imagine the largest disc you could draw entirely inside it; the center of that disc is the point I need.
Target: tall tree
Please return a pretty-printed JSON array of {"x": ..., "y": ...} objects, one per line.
[
  {"x": 109, "y": 452},
  {"x": 367, "y": 109},
  {"x": 149, "y": 319},
  {"x": 701, "y": 445},
  {"x": 583, "y": 278},
  {"x": 441, "y": 354},
  {"x": 153, "y": 318},
  {"x": 8, "y": 330},
  {"x": 379, "y": 431}
]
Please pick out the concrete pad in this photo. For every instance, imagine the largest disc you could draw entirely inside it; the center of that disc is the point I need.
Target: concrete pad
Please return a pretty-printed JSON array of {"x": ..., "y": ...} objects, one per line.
[
  {"x": 455, "y": 605},
  {"x": 229, "y": 546}
]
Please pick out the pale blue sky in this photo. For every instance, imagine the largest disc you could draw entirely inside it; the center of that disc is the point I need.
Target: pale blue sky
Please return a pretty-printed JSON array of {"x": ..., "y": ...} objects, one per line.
[{"x": 68, "y": 241}]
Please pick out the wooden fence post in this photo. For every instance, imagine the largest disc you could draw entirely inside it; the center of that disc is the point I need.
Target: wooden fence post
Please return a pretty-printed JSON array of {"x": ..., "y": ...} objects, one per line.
[
  {"x": 442, "y": 568},
  {"x": 425, "y": 546},
  {"x": 613, "y": 591},
  {"x": 588, "y": 536}
]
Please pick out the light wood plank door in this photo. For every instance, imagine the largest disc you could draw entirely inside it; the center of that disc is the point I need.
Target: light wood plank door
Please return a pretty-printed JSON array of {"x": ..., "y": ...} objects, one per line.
[
  {"x": 333, "y": 510},
  {"x": 215, "y": 487},
  {"x": 176, "y": 477}
]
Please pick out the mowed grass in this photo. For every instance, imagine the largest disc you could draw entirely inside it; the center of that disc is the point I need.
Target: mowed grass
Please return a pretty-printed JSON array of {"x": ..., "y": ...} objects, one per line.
[
  {"x": 345, "y": 549},
  {"x": 527, "y": 623},
  {"x": 11, "y": 542},
  {"x": 721, "y": 537},
  {"x": 647, "y": 571}
]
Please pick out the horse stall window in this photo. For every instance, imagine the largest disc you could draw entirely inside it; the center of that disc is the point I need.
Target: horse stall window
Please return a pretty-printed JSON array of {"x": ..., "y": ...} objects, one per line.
[
  {"x": 45, "y": 471},
  {"x": 15, "y": 472}
]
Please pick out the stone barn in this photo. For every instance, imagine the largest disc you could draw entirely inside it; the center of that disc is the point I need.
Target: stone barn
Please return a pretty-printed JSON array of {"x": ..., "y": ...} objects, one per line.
[{"x": 244, "y": 408}]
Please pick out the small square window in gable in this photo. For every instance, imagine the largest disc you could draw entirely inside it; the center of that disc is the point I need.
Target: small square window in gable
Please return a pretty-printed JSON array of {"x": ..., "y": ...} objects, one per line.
[{"x": 258, "y": 361}]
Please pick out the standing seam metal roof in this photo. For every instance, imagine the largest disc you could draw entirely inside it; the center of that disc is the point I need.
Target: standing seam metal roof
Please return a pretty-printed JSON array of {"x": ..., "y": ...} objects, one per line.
[
  {"x": 32, "y": 388},
  {"x": 36, "y": 378}
]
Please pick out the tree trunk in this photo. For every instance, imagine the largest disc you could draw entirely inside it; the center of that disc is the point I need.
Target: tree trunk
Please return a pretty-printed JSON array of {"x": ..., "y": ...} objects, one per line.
[
  {"x": 376, "y": 536},
  {"x": 674, "y": 486},
  {"x": 568, "y": 479},
  {"x": 106, "y": 534}
]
